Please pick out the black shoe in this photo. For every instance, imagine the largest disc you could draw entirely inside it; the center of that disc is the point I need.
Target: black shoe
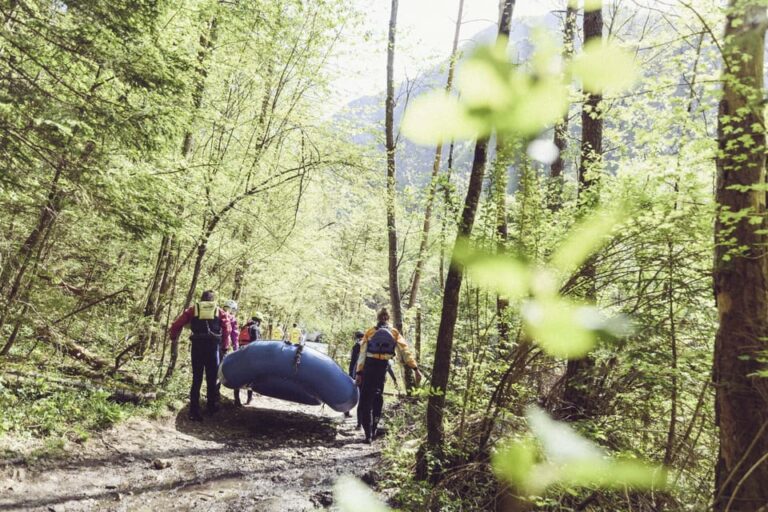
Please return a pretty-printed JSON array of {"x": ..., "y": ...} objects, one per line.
[
  {"x": 367, "y": 439},
  {"x": 238, "y": 403},
  {"x": 210, "y": 411},
  {"x": 195, "y": 416},
  {"x": 359, "y": 426},
  {"x": 347, "y": 415}
]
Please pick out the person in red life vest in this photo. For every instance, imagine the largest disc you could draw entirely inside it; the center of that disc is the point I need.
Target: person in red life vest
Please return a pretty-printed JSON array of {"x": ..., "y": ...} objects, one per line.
[
  {"x": 209, "y": 325},
  {"x": 380, "y": 344},
  {"x": 251, "y": 332}
]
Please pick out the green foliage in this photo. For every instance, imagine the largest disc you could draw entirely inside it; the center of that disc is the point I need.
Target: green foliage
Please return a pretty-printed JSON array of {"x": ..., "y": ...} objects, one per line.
[{"x": 569, "y": 460}]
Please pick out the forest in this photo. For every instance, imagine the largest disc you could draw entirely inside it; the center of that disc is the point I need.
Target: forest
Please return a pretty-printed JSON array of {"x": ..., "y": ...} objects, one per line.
[{"x": 561, "y": 204}]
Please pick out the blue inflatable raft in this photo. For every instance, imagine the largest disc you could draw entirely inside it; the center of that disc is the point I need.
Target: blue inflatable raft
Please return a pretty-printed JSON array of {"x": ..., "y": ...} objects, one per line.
[{"x": 280, "y": 370}]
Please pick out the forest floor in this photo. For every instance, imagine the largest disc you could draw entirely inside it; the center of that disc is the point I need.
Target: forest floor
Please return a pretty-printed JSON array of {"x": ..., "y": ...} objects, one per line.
[{"x": 270, "y": 455}]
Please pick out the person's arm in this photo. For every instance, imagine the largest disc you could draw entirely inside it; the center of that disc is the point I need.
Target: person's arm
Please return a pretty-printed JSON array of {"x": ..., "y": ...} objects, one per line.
[
  {"x": 404, "y": 354},
  {"x": 353, "y": 357},
  {"x": 183, "y": 319},
  {"x": 235, "y": 335},
  {"x": 391, "y": 373},
  {"x": 226, "y": 329},
  {"x": 363, "y": 350}
]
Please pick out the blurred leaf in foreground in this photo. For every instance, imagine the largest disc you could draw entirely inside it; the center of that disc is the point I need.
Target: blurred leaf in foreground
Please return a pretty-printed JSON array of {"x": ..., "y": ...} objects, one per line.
[
  {"x": 586, "y": 238},
  {"x": 604, "y": 67},
  {"x": 352, "y": 495},
  {"x": 569, "y": 459}
]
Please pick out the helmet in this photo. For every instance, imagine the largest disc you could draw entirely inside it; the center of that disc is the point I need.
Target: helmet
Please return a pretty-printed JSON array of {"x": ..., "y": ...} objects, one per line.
[
  {"x": 231, "y": 305},
  {"x": 359, "y": 334}
]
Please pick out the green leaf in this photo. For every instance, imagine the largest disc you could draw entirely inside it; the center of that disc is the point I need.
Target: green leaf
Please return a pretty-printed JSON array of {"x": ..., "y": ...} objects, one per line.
[
  {"x": 482, "y": 85},
  {"x": 504, "y": 274},
  {"x": 587, "y": 237},
  {"x": 352, "y": 495},
  {"x": 436, "y": 117},
  {"x": 515, "y": 461},
  {"x": 589, "y": 5},
  {"x": 570, "y": 460},
  {"x": 562, "y": 328},
  {"x": 604, "y": 66}
]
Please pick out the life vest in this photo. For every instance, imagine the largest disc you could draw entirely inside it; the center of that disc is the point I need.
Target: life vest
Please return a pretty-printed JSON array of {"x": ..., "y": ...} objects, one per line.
[
  {"x": 244, "y": 337},
  {"x": 206, "y": 324},
  {"x": 382, "y": 342}
]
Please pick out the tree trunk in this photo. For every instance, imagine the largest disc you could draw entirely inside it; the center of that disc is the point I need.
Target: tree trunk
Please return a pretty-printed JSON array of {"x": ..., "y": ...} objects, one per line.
[
  {"x": 741, "y": 267},
  {"x": 389, "y": 127},
  {"x": 389, "y": 121},
  {"x": 579, "y": 393},
  {"x": 413, "y": 298},
  {"x": 443, "y": 348},
  {"x": 499, "y": 197},
  {"x": 555, "y": 197}
]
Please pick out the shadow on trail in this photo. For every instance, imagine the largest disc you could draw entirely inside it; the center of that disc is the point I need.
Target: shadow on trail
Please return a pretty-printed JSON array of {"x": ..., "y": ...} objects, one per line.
[{"x": 262, "y": 426}]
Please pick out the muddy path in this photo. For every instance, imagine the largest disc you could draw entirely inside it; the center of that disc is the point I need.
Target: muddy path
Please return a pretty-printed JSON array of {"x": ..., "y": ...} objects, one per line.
[{"x": 269, "y": 456}]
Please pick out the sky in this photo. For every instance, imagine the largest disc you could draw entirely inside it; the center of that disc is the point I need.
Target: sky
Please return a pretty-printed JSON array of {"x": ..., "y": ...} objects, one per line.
[{"x": 424, "y": 36}]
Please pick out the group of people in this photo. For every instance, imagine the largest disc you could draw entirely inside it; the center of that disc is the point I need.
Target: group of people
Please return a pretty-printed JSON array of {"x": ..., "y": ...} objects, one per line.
[{"x": 215, "y": 331}]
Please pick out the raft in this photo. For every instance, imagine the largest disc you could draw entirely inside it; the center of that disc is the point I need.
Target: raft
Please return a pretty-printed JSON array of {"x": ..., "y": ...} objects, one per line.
[{"x": 280, "y": 370}]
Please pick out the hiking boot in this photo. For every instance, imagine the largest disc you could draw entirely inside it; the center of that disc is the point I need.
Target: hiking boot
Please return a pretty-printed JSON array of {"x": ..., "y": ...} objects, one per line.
[
  {"x": 367, "y": 439},
  {"x": 211, "y": 410},
  {"x": 195, "y": 416}
]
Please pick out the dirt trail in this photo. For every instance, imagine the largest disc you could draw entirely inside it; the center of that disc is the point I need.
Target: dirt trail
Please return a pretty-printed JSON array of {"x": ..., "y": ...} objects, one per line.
[{"x": 271, "y": 455}]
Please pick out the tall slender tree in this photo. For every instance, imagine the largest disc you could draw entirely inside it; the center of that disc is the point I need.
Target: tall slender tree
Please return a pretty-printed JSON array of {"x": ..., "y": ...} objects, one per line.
[
  {"x": 578, "y": 393},
  {"x": 554, "y": 199},
  {"x": 414, "y": 295},
  {"x": 741, "y": 266},
  {"x": 389, "y": 128},
  {"x": 443, "y": 348}
]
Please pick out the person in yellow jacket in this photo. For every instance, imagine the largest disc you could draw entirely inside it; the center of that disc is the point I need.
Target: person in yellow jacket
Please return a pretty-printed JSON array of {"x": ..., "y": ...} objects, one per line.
[
  {"x": 380, "y": 344},
  {"x": 277, "y": 332},
  {"x": 294, "y": 335}
]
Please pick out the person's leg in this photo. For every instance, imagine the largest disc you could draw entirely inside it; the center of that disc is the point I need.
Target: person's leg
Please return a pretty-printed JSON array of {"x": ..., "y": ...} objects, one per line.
[
  {"x": 364, "y": 415},
  {"x": 250, "y": 397},
  {"x": 211, "y": 374},
  {"x": 237, "y": 398},
  {"x": 198, "y": 365},
  {"x": 378, "y": 400}
]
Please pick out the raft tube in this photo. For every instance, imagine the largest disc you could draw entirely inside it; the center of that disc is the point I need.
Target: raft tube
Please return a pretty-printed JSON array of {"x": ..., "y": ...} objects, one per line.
[{"x": 270, "y": 368}]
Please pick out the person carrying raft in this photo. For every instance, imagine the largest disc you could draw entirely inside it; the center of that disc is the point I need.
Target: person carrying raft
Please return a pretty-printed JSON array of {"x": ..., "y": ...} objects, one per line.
[
  {"x": 251, "y": 332},
  {"x": 210, "y": 326},
  {"x": 379, "y": 344},
  {"x": 295, "y": 334}
]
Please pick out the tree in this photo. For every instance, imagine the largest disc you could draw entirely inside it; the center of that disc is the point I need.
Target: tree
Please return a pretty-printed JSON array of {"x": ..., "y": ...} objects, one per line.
[
  {"x": 741, "y": 266},
  {"x": 442, "y": 363},
  {"x": 423, "y": 245},
  {"x": 561, "y": 129},
  {"x": 390, "y": 144},
  {"x": 578, "y": 393}
]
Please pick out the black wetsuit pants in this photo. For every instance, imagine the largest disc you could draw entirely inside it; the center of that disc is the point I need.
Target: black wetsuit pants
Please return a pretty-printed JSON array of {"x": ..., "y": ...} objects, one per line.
[
  {"x": 372, "y": 394},
  {"x": 205, "y": 360}
]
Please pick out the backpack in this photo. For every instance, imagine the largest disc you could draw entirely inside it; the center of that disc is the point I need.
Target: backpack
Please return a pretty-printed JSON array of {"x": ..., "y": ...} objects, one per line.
[
  {"x": 206, "y": 325},
  {"x": 244, "y": 336},
  {"x": 382, "y": 342}
]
